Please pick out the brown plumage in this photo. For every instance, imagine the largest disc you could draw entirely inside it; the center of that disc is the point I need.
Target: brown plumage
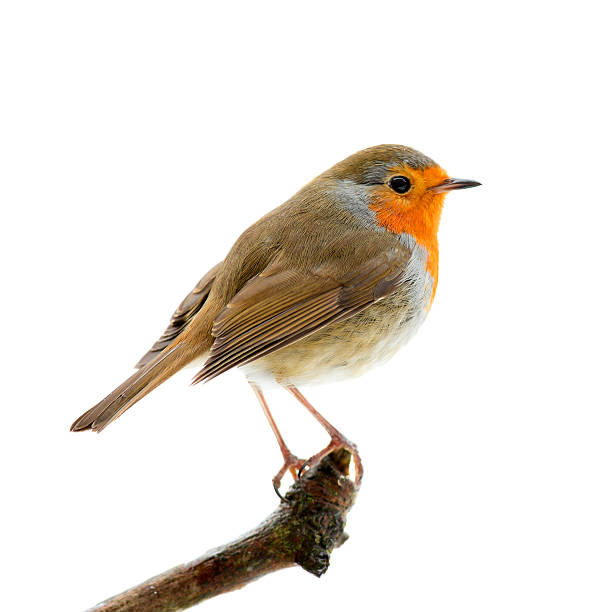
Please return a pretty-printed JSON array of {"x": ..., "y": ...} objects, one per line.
[
  {"x": 332, "y": 281},
  {"x": 182, "y": 315}
]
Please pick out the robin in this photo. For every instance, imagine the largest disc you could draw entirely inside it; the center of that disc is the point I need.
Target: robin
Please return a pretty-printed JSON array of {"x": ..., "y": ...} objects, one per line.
[{"x": 325, "y": 286}]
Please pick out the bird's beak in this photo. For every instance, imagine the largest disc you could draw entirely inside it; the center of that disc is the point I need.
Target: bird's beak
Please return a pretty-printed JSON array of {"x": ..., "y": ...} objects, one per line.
[{"x": 451, "y": 184}]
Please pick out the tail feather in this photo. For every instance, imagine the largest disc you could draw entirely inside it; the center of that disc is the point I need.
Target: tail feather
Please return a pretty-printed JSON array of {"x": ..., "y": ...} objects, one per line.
[{"x": 130, "y": 391}]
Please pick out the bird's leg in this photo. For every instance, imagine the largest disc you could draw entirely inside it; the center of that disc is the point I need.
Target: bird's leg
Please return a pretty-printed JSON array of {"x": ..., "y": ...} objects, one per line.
[
  {"x": 291, "y": 462},
  {"x": 337, "y": 439}
]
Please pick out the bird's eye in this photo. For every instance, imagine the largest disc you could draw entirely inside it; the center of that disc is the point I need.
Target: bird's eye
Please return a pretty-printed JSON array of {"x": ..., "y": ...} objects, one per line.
[{"x": 399, "y": 184}]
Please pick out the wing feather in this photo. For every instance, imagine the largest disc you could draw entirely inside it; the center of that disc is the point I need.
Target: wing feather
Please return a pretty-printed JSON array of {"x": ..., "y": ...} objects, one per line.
[
  {"x": 182, "y": 316},
  {"x": 279, "y": 307}
]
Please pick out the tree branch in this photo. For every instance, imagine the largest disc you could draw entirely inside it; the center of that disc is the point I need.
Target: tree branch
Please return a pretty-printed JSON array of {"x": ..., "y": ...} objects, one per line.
[{"x": 303, "y": 531}]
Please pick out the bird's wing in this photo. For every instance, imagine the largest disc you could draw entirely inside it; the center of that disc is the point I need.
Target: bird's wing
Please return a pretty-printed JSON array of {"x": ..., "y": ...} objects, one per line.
[
  {"x": 280, "y": 306},
  {"x": 186, "y": 310}
]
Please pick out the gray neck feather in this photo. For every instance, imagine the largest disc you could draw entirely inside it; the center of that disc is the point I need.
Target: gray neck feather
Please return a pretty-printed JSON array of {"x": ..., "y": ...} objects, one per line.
[{"x": 356, "y": 199}]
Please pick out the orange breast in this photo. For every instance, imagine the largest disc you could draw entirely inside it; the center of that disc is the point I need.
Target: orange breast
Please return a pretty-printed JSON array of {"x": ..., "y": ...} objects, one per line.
[{"x": 419, "y": 218}]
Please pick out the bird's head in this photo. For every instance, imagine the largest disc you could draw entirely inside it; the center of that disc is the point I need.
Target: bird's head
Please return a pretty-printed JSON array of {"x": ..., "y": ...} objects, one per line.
[{"x": 395, "y": 187}]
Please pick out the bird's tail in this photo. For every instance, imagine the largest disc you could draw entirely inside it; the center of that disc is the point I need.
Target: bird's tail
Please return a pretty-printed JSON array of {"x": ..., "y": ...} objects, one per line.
[{"x": 159, "y": 369}]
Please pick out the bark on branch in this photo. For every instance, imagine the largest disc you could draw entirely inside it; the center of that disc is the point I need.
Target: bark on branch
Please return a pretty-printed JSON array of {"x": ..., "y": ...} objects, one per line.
[{"x": 302, "y": 531}]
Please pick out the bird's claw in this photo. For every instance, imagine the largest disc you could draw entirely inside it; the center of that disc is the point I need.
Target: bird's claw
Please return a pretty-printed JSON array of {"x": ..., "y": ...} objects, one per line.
[
  {"x": 291, "y": 465},
  {"x": 336, "y": 443}
]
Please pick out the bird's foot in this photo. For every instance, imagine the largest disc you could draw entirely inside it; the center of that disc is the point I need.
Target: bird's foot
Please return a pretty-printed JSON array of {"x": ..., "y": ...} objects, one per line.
[
  {"x": 292, "y": 465},
  {"x": 337, "y": 442}
]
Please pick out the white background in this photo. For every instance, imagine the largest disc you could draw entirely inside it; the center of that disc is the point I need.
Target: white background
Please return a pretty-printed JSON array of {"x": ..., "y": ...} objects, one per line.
[{"x": 138, "y": 139}]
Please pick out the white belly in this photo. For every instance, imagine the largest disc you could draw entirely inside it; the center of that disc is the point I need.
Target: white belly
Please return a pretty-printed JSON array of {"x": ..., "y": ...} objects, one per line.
[{"x": 350, "y": 347}]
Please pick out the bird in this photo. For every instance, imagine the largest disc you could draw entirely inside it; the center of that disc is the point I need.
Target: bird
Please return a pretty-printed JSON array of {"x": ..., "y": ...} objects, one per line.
[{"x": 324, "y": 287}]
